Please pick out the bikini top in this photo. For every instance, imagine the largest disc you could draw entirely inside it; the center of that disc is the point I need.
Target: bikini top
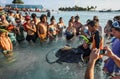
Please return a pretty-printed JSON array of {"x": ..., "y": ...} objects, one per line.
[
  {"x": 61, "y": 27},
  {"x": 51, "y": 29}
]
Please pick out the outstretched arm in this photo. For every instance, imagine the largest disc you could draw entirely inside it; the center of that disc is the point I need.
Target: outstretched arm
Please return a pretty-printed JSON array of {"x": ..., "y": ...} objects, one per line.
[{"x": 90, "y": 69}]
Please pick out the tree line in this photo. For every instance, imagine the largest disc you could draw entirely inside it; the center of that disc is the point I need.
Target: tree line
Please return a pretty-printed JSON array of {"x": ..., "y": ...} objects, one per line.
[{"x": 77, "y": 8}]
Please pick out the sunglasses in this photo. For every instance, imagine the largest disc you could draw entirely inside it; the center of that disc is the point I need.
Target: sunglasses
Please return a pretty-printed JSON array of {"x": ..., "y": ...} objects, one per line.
[{"x": 116, "y": 24}]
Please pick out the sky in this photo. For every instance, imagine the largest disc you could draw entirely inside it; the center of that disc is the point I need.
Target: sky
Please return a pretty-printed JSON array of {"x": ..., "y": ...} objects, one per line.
[{"x": 55, "y": 4}]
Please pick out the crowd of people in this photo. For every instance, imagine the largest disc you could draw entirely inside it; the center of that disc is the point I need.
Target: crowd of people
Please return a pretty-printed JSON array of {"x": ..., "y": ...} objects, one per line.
[
  {"x": 112, "y": 64},
  {"x": 13, "y": 27}
]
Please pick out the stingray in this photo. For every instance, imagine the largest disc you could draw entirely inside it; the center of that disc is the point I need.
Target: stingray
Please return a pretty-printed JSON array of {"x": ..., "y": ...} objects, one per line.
[{"x": 67, "y": 55}]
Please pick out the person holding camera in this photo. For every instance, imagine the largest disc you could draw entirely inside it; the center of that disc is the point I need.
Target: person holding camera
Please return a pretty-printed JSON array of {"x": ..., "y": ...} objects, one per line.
[
  {"x": 113, "y": 62},
  {"x": 94, "y": 56},
  {"x": 110, "y": 66}
]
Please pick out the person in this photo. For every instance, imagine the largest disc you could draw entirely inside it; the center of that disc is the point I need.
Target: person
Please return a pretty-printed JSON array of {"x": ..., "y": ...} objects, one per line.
[
  {"x": 85, "y": 47},
  {"x": 35, "y": 21},
  {"x": 96, "y": 37},
  {"x": 70, "y": 31},
  {"x": 20, "y": 16},
  {"x": 107, "y": 28},
  {"x": 113, "y": 62},
  {"x": 3, "y": 22},
  {"x": 42, "y": 28},
  {"x": 11, "y": 18},
  {"x": 11, "y": 33},
  {"x": 52, "y": 30},
  {"x": 60, "y": 27},
  {"x": 116, "y": 18},
  {"x": 72, "y": 19},
  {"x": 84, "y": 29},
  {"x": 5, "y": 43},
  {"x": 96, "y": 19},
  {"x": 19, "y": 31},
  {"x": 26, "y": 14},
  {"x": 17, "y": 15},
  {"x": 94, "y": 56},
  {"x": 30, "y": 28},
  {"x": 77, "y": 25},
  {"x": 110, "y": 66},
  {"x": 48, "y": 13}
]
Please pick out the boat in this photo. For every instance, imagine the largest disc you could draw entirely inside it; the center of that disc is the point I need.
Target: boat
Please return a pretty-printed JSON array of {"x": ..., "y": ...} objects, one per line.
[{"x": 106, "y": 10}]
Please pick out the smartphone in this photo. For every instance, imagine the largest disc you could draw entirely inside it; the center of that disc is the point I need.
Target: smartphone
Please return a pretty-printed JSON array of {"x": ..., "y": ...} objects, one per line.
[{"x": 102, "y": 51}]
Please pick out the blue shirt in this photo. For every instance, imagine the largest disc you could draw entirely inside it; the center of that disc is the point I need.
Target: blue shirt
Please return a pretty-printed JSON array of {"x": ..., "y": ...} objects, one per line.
[{"x": 110, "y": 65}]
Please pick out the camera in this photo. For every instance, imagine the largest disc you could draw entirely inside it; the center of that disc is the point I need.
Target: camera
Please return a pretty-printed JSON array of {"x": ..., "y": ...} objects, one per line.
[{"x": 102, "y": 51}]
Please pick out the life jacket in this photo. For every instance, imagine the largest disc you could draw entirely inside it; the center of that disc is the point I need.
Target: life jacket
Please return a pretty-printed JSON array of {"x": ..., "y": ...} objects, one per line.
[{"x": 94, "y": 43}]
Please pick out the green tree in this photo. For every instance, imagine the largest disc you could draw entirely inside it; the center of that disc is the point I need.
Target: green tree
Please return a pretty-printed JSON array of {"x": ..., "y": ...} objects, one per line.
[
  {"x": 92, "y": 7},
  {"x": 77, "y": 8},
  {"x": 17, "y": 2}
]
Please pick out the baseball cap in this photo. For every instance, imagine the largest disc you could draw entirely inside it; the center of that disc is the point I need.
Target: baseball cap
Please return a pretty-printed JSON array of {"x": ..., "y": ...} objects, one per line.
[{"x": 27, "y": 17}]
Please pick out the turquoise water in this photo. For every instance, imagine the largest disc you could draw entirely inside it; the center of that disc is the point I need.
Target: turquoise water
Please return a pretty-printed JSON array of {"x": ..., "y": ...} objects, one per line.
[{"x": 30, "y": 60}]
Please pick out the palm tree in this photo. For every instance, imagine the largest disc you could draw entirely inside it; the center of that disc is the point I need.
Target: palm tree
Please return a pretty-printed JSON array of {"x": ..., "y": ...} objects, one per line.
[{"x": 17, "y": 2}]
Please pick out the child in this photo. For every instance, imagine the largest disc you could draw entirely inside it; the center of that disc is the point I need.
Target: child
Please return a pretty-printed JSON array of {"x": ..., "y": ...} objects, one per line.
[{"x": 85, "y": 47}]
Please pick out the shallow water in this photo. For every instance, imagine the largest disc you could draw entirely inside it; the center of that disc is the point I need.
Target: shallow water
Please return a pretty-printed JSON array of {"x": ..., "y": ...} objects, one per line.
[
  {"x": 30, "y": 63},
  {"x": 30, "y": 60}
]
